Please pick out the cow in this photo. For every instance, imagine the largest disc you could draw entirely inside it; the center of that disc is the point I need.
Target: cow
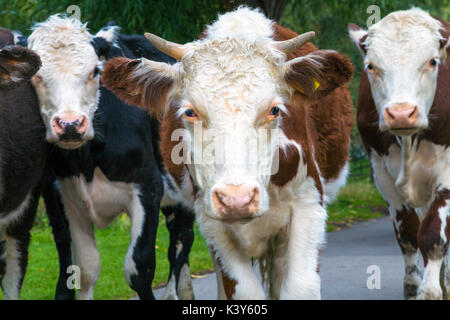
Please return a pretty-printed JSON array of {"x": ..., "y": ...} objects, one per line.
[
  {"x": 255, "y": 133},
  {"x": 105, "y": 156},
  {"x": 23, "y": 172},
  {"x": 402, "y": 117}
]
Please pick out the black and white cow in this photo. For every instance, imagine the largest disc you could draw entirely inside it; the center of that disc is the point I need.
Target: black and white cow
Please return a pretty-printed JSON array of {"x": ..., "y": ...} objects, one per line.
[
  {"x": 23, "y": 173},
  {"x": 105, "y": 155}
]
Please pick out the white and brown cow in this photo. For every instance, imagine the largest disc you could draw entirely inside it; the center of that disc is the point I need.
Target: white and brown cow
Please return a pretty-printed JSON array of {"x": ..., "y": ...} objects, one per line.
[
  {"x": 267, "y": 128},
  {"x": 403, "y": 118}
]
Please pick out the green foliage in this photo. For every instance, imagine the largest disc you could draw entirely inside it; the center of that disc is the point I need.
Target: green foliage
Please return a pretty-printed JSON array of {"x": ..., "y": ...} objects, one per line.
[{"x": 176, "y": 20}]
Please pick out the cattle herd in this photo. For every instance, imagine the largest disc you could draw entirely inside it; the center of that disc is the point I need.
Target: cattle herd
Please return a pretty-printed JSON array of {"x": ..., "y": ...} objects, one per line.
[{"x": 246, "y": 130}]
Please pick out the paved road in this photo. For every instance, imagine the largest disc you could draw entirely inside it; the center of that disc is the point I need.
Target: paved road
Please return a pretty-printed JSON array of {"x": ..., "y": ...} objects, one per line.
[{"x": 344, "y": 264}]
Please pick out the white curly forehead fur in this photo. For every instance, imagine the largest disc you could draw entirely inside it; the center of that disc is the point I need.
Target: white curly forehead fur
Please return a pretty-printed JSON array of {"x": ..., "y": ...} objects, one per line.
[
  {"x": 235, "y": 63},
  {"x": 404, "y": 31},
  {"x": 63, "y": 43}
]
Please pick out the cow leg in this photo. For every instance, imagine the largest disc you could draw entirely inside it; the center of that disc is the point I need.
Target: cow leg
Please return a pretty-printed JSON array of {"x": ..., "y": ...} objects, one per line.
[
  {"x": 433, "y": 243},
  {"x": 447, "y": 273},
  {"x": 405, "y": 226},
  {"x": 305, "y": 238},
  {"x": 180, "y": 223},
  {"x": 221, "y": 295},
  {"x": 238, "y": 281},
  {"x": 84, "y": 249},
  {"x": 61, "y": 235},
  {"x": 140, "y": 261},
  {"x": 14, "y": 262},
  {"x": 14, "y": 246}
]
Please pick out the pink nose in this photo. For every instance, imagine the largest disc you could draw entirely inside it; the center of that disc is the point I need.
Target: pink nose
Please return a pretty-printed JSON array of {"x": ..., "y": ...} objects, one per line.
[
  {"x": 401, "y": 116},
  {"x": 236, "y": 202},
  {"x": 70, "y": 125}
]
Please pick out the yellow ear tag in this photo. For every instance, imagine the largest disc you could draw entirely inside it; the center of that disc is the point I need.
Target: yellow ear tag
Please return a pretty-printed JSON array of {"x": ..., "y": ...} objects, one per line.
[
  {"x": 316, "y": 85},
  {"x": 4, "y": 75}
]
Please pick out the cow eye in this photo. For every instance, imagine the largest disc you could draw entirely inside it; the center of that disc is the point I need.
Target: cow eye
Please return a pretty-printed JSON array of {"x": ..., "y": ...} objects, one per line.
[
  {"x": 275, "y": 111},
  {"x": 190, "y": 115},
  {"x": 369, "y": 67},
  {"x": 434, "y": 62}
]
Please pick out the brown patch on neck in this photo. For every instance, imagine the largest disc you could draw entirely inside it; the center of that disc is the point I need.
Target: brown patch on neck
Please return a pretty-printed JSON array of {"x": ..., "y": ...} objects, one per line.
[
  {"x": 327, "y": 122},
  {"x": 288, "y": 166},
  {"x": 295, "y": 127},
  {"x": 169, "y": 124}
]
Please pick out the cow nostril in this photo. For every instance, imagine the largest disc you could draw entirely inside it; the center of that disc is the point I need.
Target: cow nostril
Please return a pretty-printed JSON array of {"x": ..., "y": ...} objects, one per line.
[
  {"x": 413, "y": 113},
  {"x": 390, "y": 114}
]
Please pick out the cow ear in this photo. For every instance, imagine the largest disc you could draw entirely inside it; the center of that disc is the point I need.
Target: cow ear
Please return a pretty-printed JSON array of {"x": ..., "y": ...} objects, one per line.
[
  {"x": 445, "y": 42},
  {"x": 17, "y": 65},
  {"x": 141, "y": 82},
  {"x": 318, "y": 73},
  {"x": 358, "y": 36},
  {"x": 105, "y": 42}
]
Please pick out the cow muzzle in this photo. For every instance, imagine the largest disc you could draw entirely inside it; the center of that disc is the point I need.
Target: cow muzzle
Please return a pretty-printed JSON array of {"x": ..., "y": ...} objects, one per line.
[
  {"x": 236, "y": 203},
  {"x": 70, "y": 128},
  {"x": 401, "y": 119}
]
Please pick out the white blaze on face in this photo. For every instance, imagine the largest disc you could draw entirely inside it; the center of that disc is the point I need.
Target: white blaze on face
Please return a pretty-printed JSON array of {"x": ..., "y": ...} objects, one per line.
[
  {"x": 67, "y": 83},
  {"x": 402, "y": 54}
]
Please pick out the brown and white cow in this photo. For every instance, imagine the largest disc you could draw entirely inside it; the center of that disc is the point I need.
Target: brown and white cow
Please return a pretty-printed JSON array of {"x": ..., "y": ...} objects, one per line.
[
  {"x": 266, "y": 128},
  {"x": 403, "y": 118}
]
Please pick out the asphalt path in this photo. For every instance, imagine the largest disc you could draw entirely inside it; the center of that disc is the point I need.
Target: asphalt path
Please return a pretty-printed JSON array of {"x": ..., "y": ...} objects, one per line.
[{"x": 361, "y": 262}]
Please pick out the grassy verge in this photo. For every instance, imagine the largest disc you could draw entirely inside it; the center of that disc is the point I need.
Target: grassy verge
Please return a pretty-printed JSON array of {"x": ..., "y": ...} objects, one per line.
[{"x": 357, "y": 201}]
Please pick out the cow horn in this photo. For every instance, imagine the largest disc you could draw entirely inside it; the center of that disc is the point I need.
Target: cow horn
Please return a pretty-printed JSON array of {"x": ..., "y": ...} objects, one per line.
[
  {"x": 172, "y": 49},
  {"x": 288, "y": 46}
]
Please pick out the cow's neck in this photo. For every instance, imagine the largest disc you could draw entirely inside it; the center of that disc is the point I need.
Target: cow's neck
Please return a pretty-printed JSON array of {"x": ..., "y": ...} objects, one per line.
[
  {"x": 420, "y": 163},
  {"x": 406, "y": 145}
]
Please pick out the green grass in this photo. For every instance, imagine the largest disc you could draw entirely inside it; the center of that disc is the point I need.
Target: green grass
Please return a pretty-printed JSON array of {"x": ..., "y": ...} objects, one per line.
[
  {"x": 357, "y": 201},
  {"x": 112, "y": 243}
]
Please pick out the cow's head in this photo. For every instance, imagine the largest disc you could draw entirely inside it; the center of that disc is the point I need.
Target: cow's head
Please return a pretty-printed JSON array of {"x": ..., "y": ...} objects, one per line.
[
  {"x": 229, "y": 91},
  {"x": 68, "y": 82},
  {"x": 17, "y": 65},
  {"x": 402, "y": 55}
]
